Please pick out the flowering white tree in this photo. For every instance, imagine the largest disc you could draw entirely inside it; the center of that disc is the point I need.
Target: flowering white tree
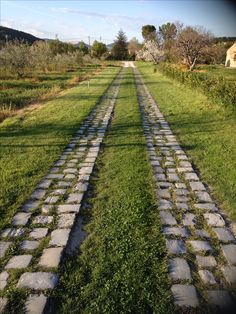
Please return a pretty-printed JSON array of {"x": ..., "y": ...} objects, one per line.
[{"x": 151, "y": 51}]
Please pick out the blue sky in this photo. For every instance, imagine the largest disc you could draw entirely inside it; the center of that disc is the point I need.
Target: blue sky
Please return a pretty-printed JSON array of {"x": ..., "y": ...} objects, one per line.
[{"x": 76, "y": 20}]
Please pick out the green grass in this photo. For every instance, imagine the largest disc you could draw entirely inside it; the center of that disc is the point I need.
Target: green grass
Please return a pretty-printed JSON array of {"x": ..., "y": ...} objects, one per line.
[
  {"x": 218, "y": 70},
  {"x": 30, "y": 143},
  {"x": 122, "y": 264},
  {"x": 206, "y": 131}
]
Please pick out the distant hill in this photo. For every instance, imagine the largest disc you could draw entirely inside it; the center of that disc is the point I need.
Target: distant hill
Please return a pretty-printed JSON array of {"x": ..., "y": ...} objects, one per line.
[
  {"x": 13, "y": 34},
  {"x": 109, "y": 46}
]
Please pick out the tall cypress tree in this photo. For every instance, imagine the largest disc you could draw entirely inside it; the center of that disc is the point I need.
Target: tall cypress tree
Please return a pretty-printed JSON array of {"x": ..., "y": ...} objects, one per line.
[{"x": 120, "y": 47}]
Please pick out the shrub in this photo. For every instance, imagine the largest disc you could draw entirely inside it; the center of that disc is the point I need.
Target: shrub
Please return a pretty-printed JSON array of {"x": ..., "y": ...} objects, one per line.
[{"x": 216, "y": 88}]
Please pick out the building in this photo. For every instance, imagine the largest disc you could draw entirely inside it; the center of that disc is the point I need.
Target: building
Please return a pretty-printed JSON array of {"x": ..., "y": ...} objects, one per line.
[{"x": 231, "y": 57}]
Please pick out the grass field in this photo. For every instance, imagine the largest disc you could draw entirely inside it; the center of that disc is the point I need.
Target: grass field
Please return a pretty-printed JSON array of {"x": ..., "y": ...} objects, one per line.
[
  {"x": 218, "y": 70},
  {"x": 30, "y": 143},
  {"x": 205, "y": 130},
  {"x": 17, "y": 93},
  {"x": 122, "y": 265}
]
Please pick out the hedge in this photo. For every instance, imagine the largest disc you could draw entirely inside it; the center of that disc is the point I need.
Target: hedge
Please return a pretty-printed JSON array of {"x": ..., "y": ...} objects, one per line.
[{"x": 216, "y": 88}]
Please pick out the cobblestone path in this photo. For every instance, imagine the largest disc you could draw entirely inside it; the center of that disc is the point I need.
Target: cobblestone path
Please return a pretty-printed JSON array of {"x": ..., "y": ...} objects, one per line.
[
  {"x": 200, "y": 241},
  {"x": 41, "y": 231}
]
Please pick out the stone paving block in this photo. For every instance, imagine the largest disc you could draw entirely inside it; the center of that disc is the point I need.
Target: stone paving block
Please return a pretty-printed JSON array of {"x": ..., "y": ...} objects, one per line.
[
  {"x": 179, "y": 269},
  {"x": 58, "y": 192},
  {"x": 203, "y": 197},
  {"x": 38, "y": 233},
  {"x": 46, "y": 209},
  {"x": 3, "y": 304},
  {"x": 198, "y": 245},
  {"x": 59, "y": 237},
  {"x": 181, "y": 199},
  {"x": 19, "y": 261},
  {"x": 184, "y": 169},
  {"x": 158, "y": 169},
  {"x": 229, "y": 273},
  {"x": 51, "y": 257},
  {"x": 182, "y": 206},
  {"x": 197, "y": 186},
  {"x": 164, "y": 204},
  {"x": 12, "y": 232},
  {"x": 21, "y": 219},
  {"x": 185, "y": 164},
  {"x": 35, "y": 304},
  {"x": 202, "y": 233},
  {"x": 207, "y": 277},
  {"x": 229, "y": 251},
  {"x": 64, "y": 184},
  {"x": 38, "y": 280},
  {"x": 189, "y": 219},
  {"x": 185, "y": 295},
  {"x": 206, "y": 261},
  {"x": 181, "y": 192},
  {"x": 29, "y": 245},
  {"x": 75, "y": 198},
  {"x": 90, "y": 159},
  {"x": 167, "y": 218},
  {"x": 68, "y": 208},
  {"x": 176, "y": 231},
  {"x": 165, "y": 184},
  {"x": 38, "y": 194},
  {"x": 3, "y": 279},
  {"x": 214, "y": 220},
  {"x": 43, "y": 220},
  {"x": 44, "y": 184},
  {"x": 70, "y": 170},
  {"x": 220, "y": 298},
  {"x": 52, "y": 199},
  {"x": 191, "y": 176},
  {"x": 55, "y": 176},
  {"x": 80, "y": 186},
  {"x": 30, "y": 206},
  {"x": 86, "y": 170},
  {"x": 173, "y": 177},
  {"x": 66, "y": 220},
  {"x": 207, "y": 207},
  {"x": 159, "y": 177},
  {"x": 175, "y": 246},
  {"x": 70, "y": 176},
  {"x": 180, "y": 185},
  {"x": 3, "y": 248},
  {"x": 224, "y": 235},
  {"x": 163, "y": 193},
  {"x": 83, "y": 177}
]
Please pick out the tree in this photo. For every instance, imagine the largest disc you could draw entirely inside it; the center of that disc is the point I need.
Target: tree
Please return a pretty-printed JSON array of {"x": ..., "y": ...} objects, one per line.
[
  {"x": 58, "y": 47},
  {"x": 98, "y": 49},
  {"x": 83, "y": 48},
  {"x": 168, "y": 31},
  {"x": 119, "y": 50},
  {"x": 149, "y": 32},
  {"x": 41, "y": 56},
  {"x": 192, "y": 43},
  {"x": 133, "y": 47},
  {"x": 151, "y": 51},
  {"x": 167, "y": 37}
]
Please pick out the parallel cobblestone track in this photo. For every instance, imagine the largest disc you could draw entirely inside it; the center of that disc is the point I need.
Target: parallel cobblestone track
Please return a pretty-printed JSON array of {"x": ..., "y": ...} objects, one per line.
[
  {"x": 45, "y": 221},
  {"x": 199, "y": 239}
]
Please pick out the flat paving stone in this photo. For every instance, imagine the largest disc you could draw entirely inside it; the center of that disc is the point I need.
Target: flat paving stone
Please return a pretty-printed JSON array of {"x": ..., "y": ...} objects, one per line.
[
  {"x": 70, "y": 170},
  {"x": 229, "y": 251},
  {"x": 35, "y": 303},
  {"x": 185, "y": 164},
  {"x": 52, "y": 199},
  {"x": 206, "y": 261},
  {"x": 163, "y": 193},
  {"x": 86, "y": 170},
  {"x": 30, "y": 206},
  {"x": 59, "y": 237},
  {"x": 4, "y": 247},
  {"x": 203, "y": 197},
  {"x": 55, "y": 176},
  {"x": 38, "y": 233},
  {"x": 181, "y": 199},
  {"x": 21, "y": 219},
  {"x": 12, "y": 232},
  {"x": 75, "y": 198},
  {"x": 51, "y": 257},
  {"x": 202, "y": 233},
  {"x": 179, "y": 269},
  {"x": 207, "y": 277},
  {"x": 229, "y": 273},
  {"x": 159, "y": 177},
  {"x": 184, "y": 169},
  {"x": 38, "y": 194},
  {"x": 198, "y": 245},
  {"x": 3, "y": 304},
  {"x": 3, "y": 280},
  {"x": 66, "y": 220},
  {"x": 189, "y": 219},
  {"x": 175, "y": 246},
  {"x": 38, "y": 280},
  {"x": 80, "y": 186},
  {"x": 191, "y": 176},
  {"x": 176, "y": 231},
  {"x": 64, "y": 184},
  {"x": 43, "y": 220},
  {"x": 220, "y": 298},
  {"x": 207, "y": 207},
  {"x": 70, "y": 176},
  {"x": 68, "y": 208},
  {"x": 181, "y": 192},
  {"x": 167, "y": 218},
  {"x": 224, "y": 234},
  {"x": 180, "y": 185},
  {"x": 164, "y": 204},
  {"x": 197, "y": 186},
  {"x": 214, "y": 220},
  {"x": 29, "y": 245},
  {"x": 172, "y": 177},
  {"x": 58, "y": 192},
  {"x": 185, "y": 295},
  {"x": 19, "y": 261},
  {"x": 46, "y": 209},
  {"x": 182, "y": 206}
]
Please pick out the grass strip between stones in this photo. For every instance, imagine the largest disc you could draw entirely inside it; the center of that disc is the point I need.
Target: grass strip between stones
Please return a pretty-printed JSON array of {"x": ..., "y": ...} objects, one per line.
[
  {"x": 30, "y": 144},
  {"x": 122, "y": 266},
  {"x": 205, "y": 130}
]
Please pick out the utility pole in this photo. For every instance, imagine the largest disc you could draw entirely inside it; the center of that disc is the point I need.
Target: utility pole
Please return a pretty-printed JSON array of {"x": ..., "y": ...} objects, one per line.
[{"x": 89, "y": 45}]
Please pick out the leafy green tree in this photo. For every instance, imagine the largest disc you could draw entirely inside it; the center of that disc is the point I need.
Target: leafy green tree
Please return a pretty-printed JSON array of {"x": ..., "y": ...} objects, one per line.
[
  {"x": 98, "y": 49},
  {"x": 133, "y": 47},
  {"x": 58, "y": 47},
  {"x": 168, "y": 31},
  {"x": 120, "y": 48},
  {"x": 83, "y": 48},
  {"x": 149, "y": 32}
]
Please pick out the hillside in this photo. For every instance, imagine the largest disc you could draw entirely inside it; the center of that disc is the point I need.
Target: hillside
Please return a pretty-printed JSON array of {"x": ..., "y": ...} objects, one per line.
[{"x": 13, "y": 34}]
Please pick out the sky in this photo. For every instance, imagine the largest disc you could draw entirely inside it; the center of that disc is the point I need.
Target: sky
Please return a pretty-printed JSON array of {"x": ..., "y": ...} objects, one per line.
[{"x": 101, "y": 20}]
